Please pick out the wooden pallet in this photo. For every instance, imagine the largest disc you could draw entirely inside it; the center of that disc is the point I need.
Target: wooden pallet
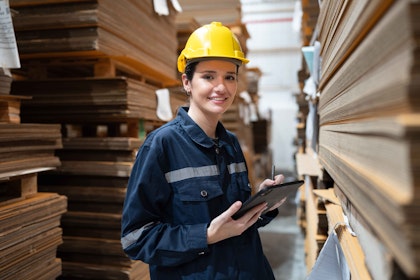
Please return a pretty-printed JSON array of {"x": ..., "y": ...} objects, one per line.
[
  {"x": 88, "y": 64},
  {"x": 18, "y": 188},
  {"x": 124, "y": 128},
  {"x": 10, "y": 108}
]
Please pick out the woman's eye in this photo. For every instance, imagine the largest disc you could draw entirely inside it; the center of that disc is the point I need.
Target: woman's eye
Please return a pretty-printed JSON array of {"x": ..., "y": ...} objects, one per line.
[
  {"x": 208, "y": 77},
  {"x": 231, "y": 78}
]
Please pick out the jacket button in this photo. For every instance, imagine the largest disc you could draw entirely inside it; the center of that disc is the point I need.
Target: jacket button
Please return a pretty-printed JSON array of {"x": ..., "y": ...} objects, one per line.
[
  {"x": 217, "y": 151},
  {"x": 204, "y": 193}
]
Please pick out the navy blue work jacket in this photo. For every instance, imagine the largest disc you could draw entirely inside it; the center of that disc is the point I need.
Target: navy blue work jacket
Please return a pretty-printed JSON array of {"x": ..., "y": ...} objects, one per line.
[{"x": 180, "y": 181}]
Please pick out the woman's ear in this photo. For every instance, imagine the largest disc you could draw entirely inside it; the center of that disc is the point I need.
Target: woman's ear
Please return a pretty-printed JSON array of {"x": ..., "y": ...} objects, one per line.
[{"x": 186, "y": 83}]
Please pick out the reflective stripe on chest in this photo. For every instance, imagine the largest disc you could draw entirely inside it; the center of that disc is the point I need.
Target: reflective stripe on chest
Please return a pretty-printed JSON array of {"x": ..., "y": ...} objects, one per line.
[{"x": 202, "y": 171}]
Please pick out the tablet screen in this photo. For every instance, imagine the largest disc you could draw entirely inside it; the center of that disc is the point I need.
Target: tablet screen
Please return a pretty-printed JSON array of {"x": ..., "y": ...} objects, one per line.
[{"x": 271, "y": 195}]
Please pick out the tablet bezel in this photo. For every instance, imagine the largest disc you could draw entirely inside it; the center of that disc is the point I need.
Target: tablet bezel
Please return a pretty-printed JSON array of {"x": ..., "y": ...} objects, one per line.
[{"x": 271, "y": 195}]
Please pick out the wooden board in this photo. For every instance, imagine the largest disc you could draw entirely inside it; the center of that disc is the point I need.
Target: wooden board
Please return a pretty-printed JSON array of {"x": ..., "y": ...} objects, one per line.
[
  {"x": 108, "y": 28},
  {"x": 87, "y": 100},
  {"x": 30, "y": 236},
  {"x": 369, "y": 117}
]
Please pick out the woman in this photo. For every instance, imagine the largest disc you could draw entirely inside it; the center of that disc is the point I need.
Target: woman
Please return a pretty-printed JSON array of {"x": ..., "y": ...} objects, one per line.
[{"x": 190, "y": 177}]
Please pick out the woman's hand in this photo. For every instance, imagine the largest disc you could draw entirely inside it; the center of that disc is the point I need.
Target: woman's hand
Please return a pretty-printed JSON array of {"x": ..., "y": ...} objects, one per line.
[
  {"x": 224, "y": 226},
  {"x": 269, "y": 183},
  {"x": 278, "y": 179}
]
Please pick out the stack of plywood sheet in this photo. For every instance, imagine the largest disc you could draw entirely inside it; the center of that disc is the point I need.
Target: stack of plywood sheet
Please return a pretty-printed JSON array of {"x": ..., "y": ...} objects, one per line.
[
  {"x": 185, "y": 26},
  {"x": 310, "y": 11},
  {"x": 369, "y": 132},
  {"x": 94, "y": 175},
  {"x": 349, "y": 243},
  {"x": 93, "y": 66},
  {"x": 30, "y": 231},
  {"x": 5, "y": 81},
  {"x": 226, "y": 11},
  {"x": 87, "y": 100},
  {"x": 128, "y": 31},
  {"x": 29, "y": 221},
  {"x": 28, "y": 146}
]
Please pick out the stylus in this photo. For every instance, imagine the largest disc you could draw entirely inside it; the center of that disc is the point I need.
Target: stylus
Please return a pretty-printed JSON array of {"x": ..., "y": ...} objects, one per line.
[{"x": 273, "y": 169}]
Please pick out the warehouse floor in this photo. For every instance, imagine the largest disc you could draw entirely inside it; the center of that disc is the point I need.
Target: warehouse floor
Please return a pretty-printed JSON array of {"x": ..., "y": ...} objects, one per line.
[{"x": 283, "y": 244}]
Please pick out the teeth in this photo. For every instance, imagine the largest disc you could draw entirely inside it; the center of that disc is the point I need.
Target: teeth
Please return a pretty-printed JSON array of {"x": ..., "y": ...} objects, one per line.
[{"x": 217, "y": 99}]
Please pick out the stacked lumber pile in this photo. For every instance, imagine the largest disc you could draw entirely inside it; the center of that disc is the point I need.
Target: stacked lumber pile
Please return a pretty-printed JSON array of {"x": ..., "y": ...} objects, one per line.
[
  {"x": 302, "y": 114},
  {"x": 87, "y": 100},
  {"x": 28, "y": 146},
  {"x": 184, "y": 27},
  {"x": 129, "y": 32},
  {"x": 310, "y": 12},
  {"x": 29, "y": 220},
  {"x": 30, "y": 229},
  {"x": 369, "y": 126},
  {"x": 337, "y": 225},
  {"x": 373, "y": 116},
  {"x": 94, "y": 175},
  {"x": 226, "y": 11},
  {"x": 5, "y": 81},
  {"x": 94, "y": 67},
  {"x": 310, "y": 211}
]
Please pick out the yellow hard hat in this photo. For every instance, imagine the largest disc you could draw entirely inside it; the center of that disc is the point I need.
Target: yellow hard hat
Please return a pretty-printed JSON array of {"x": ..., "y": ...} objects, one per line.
[{"x": 211, "y": 40}]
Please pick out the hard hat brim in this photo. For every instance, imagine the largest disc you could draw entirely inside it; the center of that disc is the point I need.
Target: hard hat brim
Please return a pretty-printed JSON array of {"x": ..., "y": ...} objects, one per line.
[{"x": 235, "y": 61}]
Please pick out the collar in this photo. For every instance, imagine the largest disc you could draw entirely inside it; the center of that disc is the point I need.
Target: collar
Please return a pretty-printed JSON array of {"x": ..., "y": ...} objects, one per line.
[{"x": 198, "y": 135}]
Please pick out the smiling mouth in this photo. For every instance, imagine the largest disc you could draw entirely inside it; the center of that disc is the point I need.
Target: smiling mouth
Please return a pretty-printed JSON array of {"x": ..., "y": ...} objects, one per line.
[{"x": 218, "y": 98}]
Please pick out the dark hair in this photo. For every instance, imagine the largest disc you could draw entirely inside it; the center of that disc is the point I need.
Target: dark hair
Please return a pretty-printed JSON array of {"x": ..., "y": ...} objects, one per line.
[{"x": 190, "y": 69}]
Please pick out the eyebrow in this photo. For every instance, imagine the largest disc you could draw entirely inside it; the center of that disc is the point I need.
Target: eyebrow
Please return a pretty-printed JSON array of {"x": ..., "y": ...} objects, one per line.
[{"x": 212, "y": 72}]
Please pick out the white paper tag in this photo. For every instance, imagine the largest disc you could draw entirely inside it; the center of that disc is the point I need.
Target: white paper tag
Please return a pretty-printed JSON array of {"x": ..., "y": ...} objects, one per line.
[
  {"x": 9, "y": 56},
  {"x": 331, "y": 263},
  {"x": 176, "y": 5},
  {"x": 163, "y": 111},
  {"x": 161, "y": 7}
]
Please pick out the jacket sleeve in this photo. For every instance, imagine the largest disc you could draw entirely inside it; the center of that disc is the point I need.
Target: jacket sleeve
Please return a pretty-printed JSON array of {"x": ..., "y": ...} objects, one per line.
[
  {"x": 267, "y": 218},
  {"x": 146, "y": 233}
]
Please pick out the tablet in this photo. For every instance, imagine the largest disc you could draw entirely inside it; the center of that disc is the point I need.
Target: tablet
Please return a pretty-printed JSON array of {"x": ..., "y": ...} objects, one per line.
[{"x": 271, "y": 195}]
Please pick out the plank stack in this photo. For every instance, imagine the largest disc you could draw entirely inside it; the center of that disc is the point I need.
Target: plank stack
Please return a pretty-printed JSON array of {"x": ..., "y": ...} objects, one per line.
[
  {"x": 128, "y": 32},
  {"x": 93, "y": 68},
  {"x": 369, "y": 126},
  {"x": 29, "y": 220},
  {"x": 310, "y": 11},
  {"x": 30, "y": 229},
  {"x": 226, "y": 11}
]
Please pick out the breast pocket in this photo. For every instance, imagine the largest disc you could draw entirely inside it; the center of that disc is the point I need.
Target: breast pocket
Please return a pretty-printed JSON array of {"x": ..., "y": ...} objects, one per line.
[
  {"x": 191, "y": 201},
  {"x": 240, "y": 188}
]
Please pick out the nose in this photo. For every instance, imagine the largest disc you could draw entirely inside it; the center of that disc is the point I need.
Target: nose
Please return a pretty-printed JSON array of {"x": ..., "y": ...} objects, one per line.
[{"x": 219, "y": 85}]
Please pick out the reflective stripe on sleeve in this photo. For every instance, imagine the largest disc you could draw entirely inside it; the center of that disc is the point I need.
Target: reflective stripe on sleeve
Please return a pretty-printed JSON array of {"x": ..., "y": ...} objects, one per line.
[
  {"x": 237, "y": 167},
  {"x": 191, "y": 172},
  {"x": 133, "y": 236}
]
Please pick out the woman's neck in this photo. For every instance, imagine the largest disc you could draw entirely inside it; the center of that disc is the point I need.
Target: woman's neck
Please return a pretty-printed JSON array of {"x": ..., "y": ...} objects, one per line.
[{"x": 207, "y": 123}]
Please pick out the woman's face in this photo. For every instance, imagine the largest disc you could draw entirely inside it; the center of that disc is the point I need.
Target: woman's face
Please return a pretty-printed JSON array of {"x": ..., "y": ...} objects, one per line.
[{"x": 213, "y": 86}]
